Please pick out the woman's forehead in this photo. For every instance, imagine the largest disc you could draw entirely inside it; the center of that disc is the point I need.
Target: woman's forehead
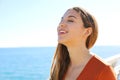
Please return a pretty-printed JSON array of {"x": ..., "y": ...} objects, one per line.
[{"x": 71, "y": 12}]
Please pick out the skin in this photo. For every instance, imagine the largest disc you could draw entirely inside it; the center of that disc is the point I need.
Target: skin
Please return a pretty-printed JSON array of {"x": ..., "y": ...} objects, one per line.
[{"x": 73, "y": 35}]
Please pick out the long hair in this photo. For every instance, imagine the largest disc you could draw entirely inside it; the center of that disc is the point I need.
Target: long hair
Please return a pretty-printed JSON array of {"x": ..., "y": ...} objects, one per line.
[{"x": 61, "y": 58}]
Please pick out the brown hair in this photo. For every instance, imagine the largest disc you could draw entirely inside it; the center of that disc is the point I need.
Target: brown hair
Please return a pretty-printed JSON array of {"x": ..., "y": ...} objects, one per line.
[{"x": 61, "y": 58}]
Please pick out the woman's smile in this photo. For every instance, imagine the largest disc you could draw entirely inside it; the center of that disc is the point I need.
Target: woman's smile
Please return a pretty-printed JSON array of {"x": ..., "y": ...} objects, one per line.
[{"x": 62, "y": 32}]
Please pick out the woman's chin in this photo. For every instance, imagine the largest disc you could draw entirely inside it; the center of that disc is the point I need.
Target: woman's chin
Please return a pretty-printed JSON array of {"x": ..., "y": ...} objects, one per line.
[{"x": 61, "y": 41}]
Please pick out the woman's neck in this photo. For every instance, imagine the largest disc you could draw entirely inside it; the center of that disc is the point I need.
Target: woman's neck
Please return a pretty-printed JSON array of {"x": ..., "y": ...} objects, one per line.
[{"x": 78, "y": 55}]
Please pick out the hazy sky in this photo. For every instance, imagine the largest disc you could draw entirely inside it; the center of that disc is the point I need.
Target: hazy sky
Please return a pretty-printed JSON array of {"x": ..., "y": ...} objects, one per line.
[{"x": 33, "y": 23}]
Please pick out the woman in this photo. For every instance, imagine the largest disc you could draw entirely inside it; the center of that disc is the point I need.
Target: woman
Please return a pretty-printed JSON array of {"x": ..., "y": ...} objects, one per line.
[{"x": 77, "y": 33}]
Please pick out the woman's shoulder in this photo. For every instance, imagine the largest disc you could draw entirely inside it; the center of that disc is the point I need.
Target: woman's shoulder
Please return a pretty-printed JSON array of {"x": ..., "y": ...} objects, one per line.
[
  {"x": 107, "y": 73},
  {"x": 104, "y": 70},
  {"x": 96, "y": 60},
  {"x": 97, "y": 69}
]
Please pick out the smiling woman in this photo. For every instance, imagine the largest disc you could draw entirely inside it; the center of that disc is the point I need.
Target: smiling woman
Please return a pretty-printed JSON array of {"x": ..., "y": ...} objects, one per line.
[{"x": 77, "y": 33}]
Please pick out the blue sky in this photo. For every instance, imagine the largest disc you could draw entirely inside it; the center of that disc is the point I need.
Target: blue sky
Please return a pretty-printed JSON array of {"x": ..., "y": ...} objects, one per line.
[{"x": 33, "y": 23}]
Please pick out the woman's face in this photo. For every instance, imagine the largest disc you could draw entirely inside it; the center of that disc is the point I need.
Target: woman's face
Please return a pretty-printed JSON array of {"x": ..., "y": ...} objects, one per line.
[{"x": 71, "y": 29}]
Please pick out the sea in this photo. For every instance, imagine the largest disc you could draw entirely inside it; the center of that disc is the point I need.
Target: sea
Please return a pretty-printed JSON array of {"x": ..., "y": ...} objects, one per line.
[{"x": 33, "y": 63}]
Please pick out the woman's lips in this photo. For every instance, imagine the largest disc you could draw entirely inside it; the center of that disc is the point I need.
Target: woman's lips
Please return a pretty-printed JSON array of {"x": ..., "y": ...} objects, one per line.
[{"x": 61, "y": 32}]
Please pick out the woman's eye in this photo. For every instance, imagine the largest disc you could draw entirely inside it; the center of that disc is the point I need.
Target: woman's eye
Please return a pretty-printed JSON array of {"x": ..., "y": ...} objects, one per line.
[{"x": 70, "y": 21}]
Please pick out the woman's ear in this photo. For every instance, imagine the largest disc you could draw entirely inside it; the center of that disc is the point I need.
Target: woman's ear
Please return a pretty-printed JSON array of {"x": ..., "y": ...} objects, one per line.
[{"x": 88, "y": 31}]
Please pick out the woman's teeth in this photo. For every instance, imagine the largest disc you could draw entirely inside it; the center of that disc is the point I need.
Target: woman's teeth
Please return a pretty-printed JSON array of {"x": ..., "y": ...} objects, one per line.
[{"x": 62, "y": 32}]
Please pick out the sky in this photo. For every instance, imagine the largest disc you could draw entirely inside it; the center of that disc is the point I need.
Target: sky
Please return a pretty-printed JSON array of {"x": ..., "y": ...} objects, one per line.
[{"x": 33, "y": 23}]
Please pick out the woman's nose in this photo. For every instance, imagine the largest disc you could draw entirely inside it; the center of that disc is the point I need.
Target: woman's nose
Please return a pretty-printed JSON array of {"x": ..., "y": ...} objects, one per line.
[{"x": 62, "y": 24}]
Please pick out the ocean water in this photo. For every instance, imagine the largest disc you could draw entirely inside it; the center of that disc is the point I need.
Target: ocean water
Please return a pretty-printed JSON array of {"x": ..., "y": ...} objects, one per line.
[{"x": 34, "y": 63}]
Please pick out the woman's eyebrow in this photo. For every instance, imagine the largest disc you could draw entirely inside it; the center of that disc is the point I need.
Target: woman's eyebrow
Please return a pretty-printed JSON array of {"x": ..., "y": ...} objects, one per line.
[{"x": 72, "y": 16}]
